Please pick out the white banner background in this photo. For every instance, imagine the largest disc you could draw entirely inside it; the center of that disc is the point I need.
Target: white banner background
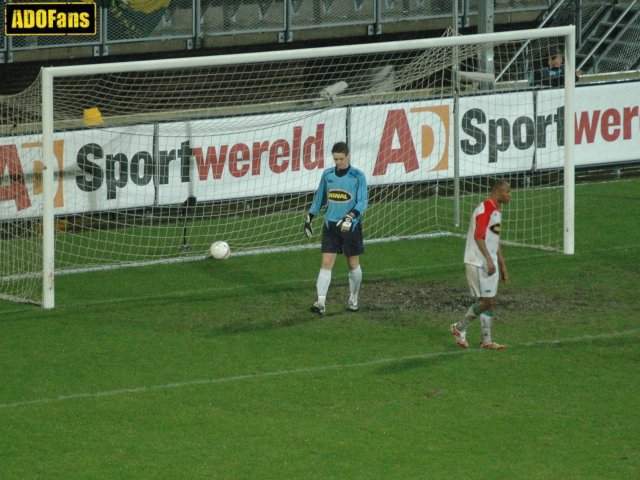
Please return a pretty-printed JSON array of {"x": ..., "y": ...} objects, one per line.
[{"x": 264, "y": 154}]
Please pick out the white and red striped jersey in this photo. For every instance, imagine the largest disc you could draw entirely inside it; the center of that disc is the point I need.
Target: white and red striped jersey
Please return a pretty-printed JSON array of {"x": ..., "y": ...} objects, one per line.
[{"x": 485, "y": 223}]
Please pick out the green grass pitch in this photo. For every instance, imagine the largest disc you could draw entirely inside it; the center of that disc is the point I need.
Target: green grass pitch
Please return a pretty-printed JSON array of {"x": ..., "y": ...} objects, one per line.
[{"x": 217, "y": 370}]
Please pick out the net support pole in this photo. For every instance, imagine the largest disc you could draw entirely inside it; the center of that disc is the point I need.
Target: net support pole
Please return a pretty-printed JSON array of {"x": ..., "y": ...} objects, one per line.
[
  {"x": 156, "y": 165},
  {"x": 455, "y": 80},
  {"x": 569, "y": 141},
  {"x": 48, "y": 233}
]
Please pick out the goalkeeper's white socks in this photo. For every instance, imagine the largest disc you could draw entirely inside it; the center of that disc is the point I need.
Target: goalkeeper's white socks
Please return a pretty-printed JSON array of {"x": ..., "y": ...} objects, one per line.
[
  {"x": 355, "y": 279},
  {"x": 324, "y": 280},
  {"x": 322, "y": 285}
]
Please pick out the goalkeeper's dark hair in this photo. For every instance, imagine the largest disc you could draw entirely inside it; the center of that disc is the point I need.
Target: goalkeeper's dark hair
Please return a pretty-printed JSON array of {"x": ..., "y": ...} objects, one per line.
[{"x": 340, "y": 147}]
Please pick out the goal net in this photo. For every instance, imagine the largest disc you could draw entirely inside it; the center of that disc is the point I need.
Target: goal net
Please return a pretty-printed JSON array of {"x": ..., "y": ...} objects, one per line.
[{"x": 127, "y": 164}]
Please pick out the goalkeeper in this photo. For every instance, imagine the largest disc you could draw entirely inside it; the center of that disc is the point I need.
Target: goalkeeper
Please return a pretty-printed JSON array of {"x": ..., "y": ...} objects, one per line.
[{"x": 343, "y": 189}]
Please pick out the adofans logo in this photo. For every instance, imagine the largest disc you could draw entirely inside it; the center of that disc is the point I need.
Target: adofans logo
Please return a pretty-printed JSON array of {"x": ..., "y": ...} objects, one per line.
[{"x": 53, "y": 18}]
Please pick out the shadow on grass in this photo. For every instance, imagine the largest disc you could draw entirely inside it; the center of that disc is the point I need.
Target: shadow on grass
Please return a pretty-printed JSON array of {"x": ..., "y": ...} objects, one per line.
[
  {"x": 260, "y": 326},
  {"x": 415, "y": 363}
]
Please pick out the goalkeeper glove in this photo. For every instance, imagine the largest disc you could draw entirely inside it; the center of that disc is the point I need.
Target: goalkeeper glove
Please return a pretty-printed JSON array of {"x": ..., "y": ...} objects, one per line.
[
  {"x": 345, "y": 224},
  {"x": 308, "y": 229}
]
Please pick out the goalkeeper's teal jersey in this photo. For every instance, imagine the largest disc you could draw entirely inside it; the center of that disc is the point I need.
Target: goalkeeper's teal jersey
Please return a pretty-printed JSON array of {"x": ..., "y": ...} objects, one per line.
[{"x": 342, "y": 194}]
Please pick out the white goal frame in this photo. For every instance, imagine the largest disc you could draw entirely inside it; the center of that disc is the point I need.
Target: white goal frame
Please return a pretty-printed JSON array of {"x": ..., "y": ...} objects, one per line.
[{"x": 49, "y": 74}]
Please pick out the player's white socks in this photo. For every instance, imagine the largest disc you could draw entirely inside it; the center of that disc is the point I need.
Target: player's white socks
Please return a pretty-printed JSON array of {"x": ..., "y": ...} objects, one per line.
[
  {"x": 322, "y": 285},
  {"x": 485, "y": 320},
  {"x": 355, "y": 279},
  {"x": 469, "y": 317}
]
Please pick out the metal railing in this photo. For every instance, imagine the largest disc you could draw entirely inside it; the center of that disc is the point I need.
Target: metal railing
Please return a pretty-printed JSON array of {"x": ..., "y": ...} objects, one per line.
[
  {"x": 188, "y": 24},
  {"x": 612, "y": 28}
]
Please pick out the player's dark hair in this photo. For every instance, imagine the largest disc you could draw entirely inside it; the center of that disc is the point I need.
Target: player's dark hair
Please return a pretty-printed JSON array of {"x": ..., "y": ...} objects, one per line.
[
  {"x": 498, "y": 183},
  {"x": 340, "y": 147}
]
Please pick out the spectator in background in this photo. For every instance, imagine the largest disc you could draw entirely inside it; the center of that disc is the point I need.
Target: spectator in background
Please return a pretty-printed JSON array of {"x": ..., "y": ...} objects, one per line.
[
  {"x": 552, "y": 75},
  {"x": 136, "y": 19},
  {"x": 146, "y": 6}
]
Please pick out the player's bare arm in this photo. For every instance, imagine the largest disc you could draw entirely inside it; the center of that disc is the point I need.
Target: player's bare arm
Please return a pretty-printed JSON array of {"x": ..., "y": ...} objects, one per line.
[
  {"x": 502, "y": 265},
  {"x": 491, "y": 267}
]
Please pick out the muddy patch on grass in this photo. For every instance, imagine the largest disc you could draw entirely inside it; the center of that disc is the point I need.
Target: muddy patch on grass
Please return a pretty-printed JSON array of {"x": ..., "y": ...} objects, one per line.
[{"x": 389, "y": 296}]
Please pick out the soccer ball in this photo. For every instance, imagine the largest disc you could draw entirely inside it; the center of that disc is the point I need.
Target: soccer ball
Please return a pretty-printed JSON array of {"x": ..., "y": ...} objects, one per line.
[{"x": 220, "y": 250}]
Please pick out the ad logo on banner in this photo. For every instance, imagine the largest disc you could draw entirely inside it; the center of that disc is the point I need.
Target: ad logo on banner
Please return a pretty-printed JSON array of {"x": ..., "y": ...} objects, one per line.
[
  {"x": 397, "y": 142},
  {"x": 50, "y": 18},
  {"x": 15, "y": 189}
]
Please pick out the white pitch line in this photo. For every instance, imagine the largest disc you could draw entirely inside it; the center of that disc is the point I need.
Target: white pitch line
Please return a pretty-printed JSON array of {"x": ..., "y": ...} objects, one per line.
[{"x": 296, "y": 371}]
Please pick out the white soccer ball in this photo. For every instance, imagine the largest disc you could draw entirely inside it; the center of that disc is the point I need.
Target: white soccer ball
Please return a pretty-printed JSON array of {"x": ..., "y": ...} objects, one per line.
[{"x": 220, "y": 250}]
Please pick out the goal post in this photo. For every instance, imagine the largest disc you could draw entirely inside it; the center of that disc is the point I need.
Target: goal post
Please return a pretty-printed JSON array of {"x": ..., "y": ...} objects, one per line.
[
  {"x": 129, "y": 164},
  {"x": 569, "y": 142},
  {"x": 48, "y": 232}
]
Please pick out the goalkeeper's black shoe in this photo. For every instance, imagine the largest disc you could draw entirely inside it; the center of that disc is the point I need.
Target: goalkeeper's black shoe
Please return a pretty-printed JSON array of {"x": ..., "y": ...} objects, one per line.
[{"x": 317, "y": 308}]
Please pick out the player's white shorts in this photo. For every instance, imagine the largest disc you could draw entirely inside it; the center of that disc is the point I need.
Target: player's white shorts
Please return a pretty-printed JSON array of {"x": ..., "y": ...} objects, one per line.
[{"x": 481, "y": 285}]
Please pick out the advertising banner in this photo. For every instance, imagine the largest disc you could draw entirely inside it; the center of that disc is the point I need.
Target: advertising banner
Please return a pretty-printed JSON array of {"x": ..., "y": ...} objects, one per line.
[
  {"x": 247, "y": 157},
  {"x": 117, "y": 168},
  {"x": 250, "y": 156},
  {"x": 607, "y": 123}
]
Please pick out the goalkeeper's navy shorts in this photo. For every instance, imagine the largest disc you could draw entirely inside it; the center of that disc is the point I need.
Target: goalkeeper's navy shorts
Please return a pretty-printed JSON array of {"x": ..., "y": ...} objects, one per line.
[{"x": 334, "y": 241}]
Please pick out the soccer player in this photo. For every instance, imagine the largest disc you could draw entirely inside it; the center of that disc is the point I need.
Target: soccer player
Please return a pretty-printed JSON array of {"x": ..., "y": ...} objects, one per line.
[
  {"x": 484, "y": 264},
  {"x": 343, "y": 189}
]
